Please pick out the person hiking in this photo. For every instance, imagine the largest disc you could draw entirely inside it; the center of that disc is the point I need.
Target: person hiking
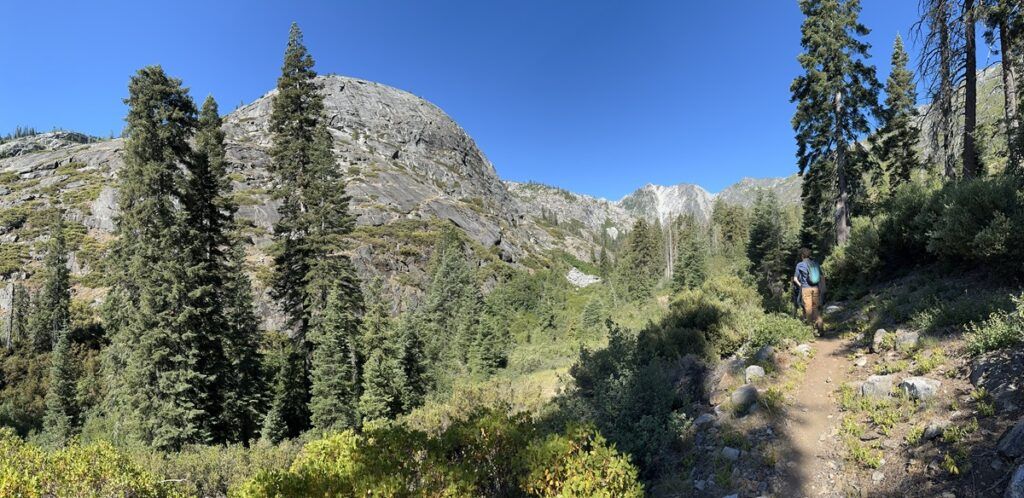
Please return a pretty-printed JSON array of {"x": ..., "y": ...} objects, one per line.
[{"x": 810, "y": 280}]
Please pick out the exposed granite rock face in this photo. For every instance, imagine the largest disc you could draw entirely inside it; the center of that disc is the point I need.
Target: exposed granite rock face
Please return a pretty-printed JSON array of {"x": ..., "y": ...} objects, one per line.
[
  {"x": 404, "y": 158},
  {"x": 663, "y": 204},
  {"x": 406, "y": 162},
  {"x": 744, "y": 192},
  {"x": 43, "y": 141}
]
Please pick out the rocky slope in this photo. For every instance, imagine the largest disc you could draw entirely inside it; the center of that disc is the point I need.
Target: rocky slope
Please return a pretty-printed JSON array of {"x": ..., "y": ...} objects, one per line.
[{"x": 409, "y": 168}]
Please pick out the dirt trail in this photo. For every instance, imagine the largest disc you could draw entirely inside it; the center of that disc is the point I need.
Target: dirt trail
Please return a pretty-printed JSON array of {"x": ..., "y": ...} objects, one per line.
[{"x": 811, "y": 419}]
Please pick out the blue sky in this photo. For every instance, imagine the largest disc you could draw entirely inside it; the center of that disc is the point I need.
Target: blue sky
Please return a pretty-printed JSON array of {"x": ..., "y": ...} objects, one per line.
[{"x": 598, "y": 97}]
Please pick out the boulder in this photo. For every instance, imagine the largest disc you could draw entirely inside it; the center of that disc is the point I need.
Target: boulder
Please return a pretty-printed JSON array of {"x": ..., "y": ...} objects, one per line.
[
  {"x": 920, "y": 388},
  {"x": 877, "y": 386},
  {"x": 765, "y": 355},
  {"x": 1011, "y": 444},
  {"x": 752, "y": 373},
  {"x": 1016, "y": 487},
  {"x": 803, "y": 350},
  {"x": 907, "y": 340},
  {"x": 860, "y": 362},
  {"x": 743, "y": 398},
  {"x": 704, "y": 419},
  {"x": 877, "y": 340},
  {"x": 579, "y": 279}
]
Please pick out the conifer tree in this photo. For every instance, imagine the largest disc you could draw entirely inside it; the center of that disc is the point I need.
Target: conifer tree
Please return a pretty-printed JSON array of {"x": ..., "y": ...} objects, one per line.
[
  {"x": 412, "y": 359},
  {"x": 895, "y": 142},
  {"x": 640, "y": 263},
  {"x": 335, "y": 388},
  {"x": 691, "y": 264},
  {"x": 288, "y": 413},
  {"x": 383, "y": 377},
  {"x": 730, "y": 225},
  {"x": 157, "y": 385},
  {"x": 309, "y": 238},
  {"x": 939, "y": 65},
  {"x": 221, "y": 288},
  {"x": 834, "y": 98},
  {"x": 51, "y": 311},
  {"x": 452, "y": 305},
  {"x": 61, "y": 420},
  {"x": 768, "y": 249}
]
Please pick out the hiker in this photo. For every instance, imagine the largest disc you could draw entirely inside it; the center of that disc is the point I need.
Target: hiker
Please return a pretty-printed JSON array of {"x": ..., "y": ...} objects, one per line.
[{"x": 808, "y": 277}]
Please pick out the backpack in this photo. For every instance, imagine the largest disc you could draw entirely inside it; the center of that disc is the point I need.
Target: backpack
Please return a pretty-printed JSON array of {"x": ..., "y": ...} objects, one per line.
[{"x": 813, "y": 273}]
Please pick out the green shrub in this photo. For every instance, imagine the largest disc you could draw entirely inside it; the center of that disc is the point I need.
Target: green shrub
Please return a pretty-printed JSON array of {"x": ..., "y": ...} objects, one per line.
[
  {"x": 94, "y": 470},
  {"x": 854, "y": 266},
  {"x": 776, "y": 328},
  {"x": 1000, "y": 330},
  {"x": 579, "y": 464},
  {"x": 489, "y": 454}
]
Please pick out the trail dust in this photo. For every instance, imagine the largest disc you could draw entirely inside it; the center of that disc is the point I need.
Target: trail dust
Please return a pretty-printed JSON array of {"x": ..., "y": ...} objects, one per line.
[{"x": 811, "y": 420}]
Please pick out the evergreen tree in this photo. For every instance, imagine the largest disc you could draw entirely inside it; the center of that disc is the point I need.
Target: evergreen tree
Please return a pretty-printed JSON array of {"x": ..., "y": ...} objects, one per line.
[
  {"x": 157, "y": 387},
  {"x": 61, "y": 420},
  {"x": 691, "y": 264},
  {"x": 452, "y": 306},
  {"x": 288, "y": 414},
  {"x": 640, "y": 264},
  {"x": 221, "y": 289},
  {"x": 971, "y": 162},
  {"x": 1005, "y": 21},
  {"x": 834, "y": 98},
  {"x": 768, "y": 248},
  {"x": 335, "y": 388},
  {"x": 51, "y": 311},
  {"x": 730, "y": 224},
  {"x": 940, "y": 66},
  {"x": 383, "y": 377},
  {"x": 895, "y": 142},
  {"x": 309, "y": 264}
]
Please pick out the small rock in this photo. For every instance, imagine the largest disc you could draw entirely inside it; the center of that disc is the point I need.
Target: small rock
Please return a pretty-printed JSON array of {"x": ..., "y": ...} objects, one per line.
[
  {"x": 906, "y": 339},
  {"x": 732, "y": 454},
  {"x": 920, "y": 388},
  {"x": 947, "y": 494},
  {"x": 743, "y": 398},
  {"x": 1016, "y": 487},
  {"x": 1011, "y": 444},
  {"x": 803, "y": 350},
  {"x": 704, "y": 419},
  {"x": 876, "y": 341},
  {"x": 734, "y": 495},
  {"x": 765, "y": 355},
  {"x": 828, "y": 380},
  {"x": 833, "y": 309},
  {"x": 700, "y": 484},
  {"x": 877, "y": 386},
  {"x": 890, "y": 444},
  {"x": 752, "y": 373},
  {"x": 877, "y": 476},
  {"x": 860, "y": 362},
  {"x": 934, "y": 429}
]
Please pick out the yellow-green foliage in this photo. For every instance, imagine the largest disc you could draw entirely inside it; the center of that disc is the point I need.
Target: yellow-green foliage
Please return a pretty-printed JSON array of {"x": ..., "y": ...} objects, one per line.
[
  {"x": 579, "y": 464},
  {"x": 1002, "y": 329},
  {"x": 94, "y": 470},
  {"x": 490, "y": 454}
]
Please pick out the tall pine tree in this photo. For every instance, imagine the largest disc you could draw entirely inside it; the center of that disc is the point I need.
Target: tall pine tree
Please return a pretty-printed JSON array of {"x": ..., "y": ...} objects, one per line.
[
  {"x": 384, "y": 380},
  {"x": 158, "y": 391},
  {"x": 640, "y": 262},
  {"x": 51, "y": 313},
  {"x": 61, "y": 420},
  {"x": 834, "y": 98},
  {"x": 336, "y": 366},
  {"x": 768, "y": 248},
  {"x": 691, "y": 264},
  {"x": 221, "y": 289},
  {"x": 895, "y": 143},
  {"x": 310, "y": 236}
]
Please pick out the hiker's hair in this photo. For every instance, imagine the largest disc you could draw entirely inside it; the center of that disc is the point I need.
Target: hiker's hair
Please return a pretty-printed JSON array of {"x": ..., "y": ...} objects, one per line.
[{"x": 805, "y": 253}]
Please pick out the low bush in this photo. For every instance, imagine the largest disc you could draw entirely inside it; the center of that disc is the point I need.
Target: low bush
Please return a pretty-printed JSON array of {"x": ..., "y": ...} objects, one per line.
[
  {"x": 774, "y": 329},
  {"x": 490, "y": 454},
  {"x": 1000, "y": 330},
  {"x": 91, "y": 470}
]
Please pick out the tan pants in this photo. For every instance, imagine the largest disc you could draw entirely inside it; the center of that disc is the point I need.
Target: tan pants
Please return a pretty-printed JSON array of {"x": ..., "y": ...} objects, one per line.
[{"x": 811, "y": 299}]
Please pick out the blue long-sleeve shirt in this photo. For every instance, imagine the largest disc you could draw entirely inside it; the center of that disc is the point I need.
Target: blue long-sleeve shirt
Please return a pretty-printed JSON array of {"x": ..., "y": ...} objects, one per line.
[{"x": 803, "y": 274}]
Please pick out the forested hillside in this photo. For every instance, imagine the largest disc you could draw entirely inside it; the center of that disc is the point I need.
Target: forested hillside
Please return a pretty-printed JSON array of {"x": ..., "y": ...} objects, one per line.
[{"x": 330, "y": 292}]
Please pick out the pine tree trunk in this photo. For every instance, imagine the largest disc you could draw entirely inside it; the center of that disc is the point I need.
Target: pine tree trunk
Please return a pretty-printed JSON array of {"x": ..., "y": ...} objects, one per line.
[
  {"x": 970, "y": 152},
  {"x": 1010, "y": 97},
  {"x": 842, "y": 204},
  {"x": 946, "y": 90}
]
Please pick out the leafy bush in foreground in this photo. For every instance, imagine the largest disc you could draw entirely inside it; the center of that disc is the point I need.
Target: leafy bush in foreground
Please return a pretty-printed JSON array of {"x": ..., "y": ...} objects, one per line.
[
  {"x": 1001, "y": 330},
  {"x": 93, "y": 470},
  {"x": 490, "y": 454}
]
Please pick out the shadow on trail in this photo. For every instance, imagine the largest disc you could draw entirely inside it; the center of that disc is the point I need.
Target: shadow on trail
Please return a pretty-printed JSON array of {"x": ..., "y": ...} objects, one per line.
[{"x": 645, "y": 391}]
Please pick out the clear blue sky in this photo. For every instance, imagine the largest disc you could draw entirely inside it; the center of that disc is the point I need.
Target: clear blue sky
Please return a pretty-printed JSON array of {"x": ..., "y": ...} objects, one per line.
[{"x": 598, "y": 97}]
